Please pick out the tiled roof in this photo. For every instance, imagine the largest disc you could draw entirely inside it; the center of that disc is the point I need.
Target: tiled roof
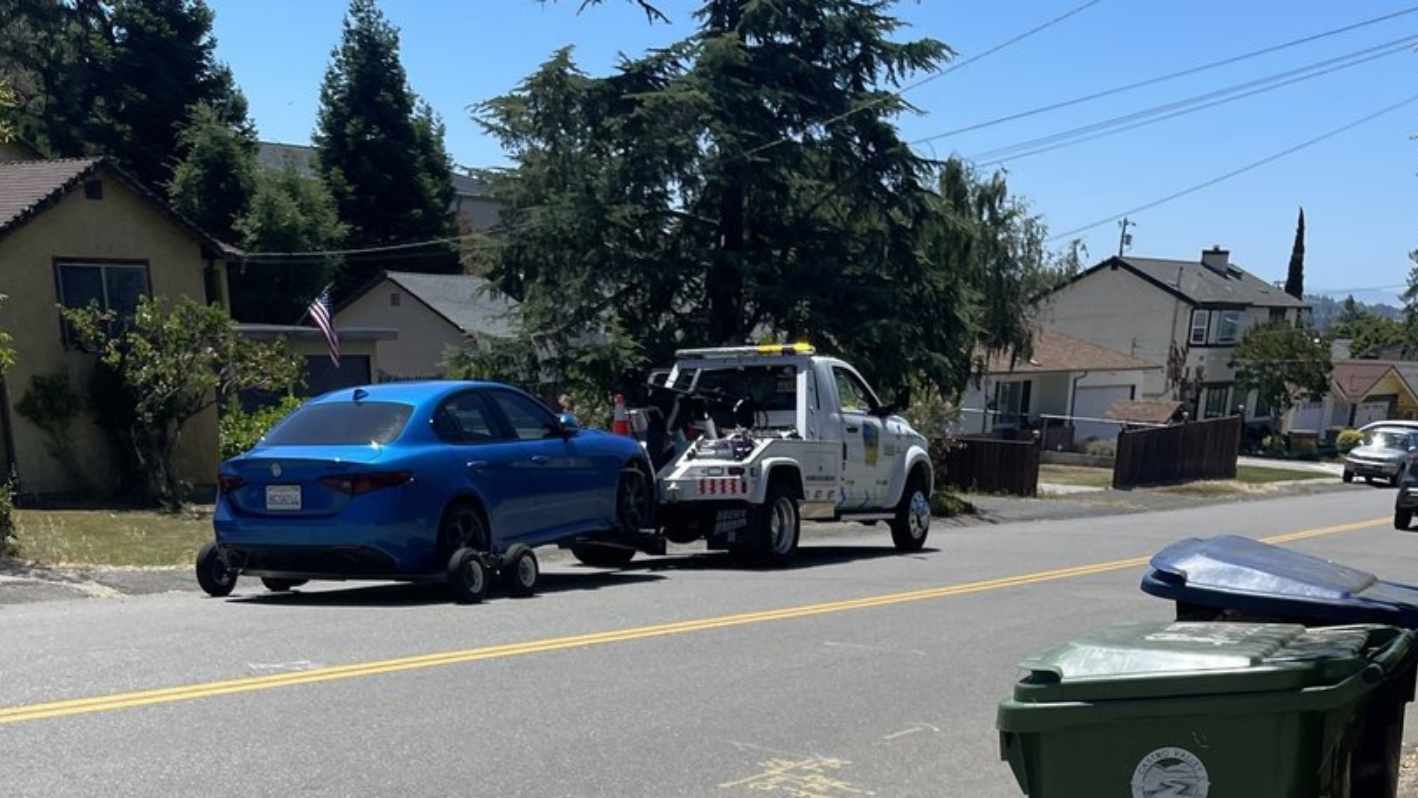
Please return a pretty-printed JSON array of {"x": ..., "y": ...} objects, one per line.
[
  {"x": 1200, "y": 284},
  {"x": 1148, "y": 411},
  {"x": 466, "y": 301},
  {"x": 27, "y": 186},
  {"x": 1056, "y": 352}
]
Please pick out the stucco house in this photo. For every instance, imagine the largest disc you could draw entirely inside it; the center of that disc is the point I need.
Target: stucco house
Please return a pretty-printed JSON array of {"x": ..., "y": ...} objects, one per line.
[
  {"x": 1187, "y": 315},
  {"x": 74, "y": 231},
  {"x": 431, "y": 313},
  {"x": 1360, "y": 391},
  {"x": 1064, "y": 389}
]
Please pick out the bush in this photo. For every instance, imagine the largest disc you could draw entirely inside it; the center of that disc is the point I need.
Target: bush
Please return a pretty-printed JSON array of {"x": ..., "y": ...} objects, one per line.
[
  {"x": 241, "y": 430},
  {"x": 1348, "y": 439},
  {"x": 1098, "y": 448},
  {"x": 947, "y": 505}
]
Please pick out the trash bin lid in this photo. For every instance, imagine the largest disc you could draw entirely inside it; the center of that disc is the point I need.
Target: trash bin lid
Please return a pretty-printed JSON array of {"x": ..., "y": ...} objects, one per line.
[
  {"x": 1153, "y": 660},
  {"x": 1242, "y": 574}
]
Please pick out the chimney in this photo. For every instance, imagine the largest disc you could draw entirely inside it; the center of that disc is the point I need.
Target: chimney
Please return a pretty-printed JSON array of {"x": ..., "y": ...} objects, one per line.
[{"x": 1216, "y": 259}]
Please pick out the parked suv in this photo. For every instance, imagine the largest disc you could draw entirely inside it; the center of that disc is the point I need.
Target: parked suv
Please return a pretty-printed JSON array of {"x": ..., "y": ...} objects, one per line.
[{"x": 1386, "y": 452}]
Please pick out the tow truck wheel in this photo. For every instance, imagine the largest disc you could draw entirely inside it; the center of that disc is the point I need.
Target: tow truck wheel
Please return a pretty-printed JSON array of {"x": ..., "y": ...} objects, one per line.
[
  {"x": 520, "y": 571},
  {"x": 467, "y": 577},
  {"x": 779, "y": 525},
  {"x": 214, "y": 575},
  {"x": 913, "y": 516},
  {"x": 281, "y": 585},
  {"x": 598, "y": 556}
]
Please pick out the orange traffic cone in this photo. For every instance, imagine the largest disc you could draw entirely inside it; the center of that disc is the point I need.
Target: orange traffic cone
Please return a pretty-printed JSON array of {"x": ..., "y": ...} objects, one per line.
[{"x": 620, "y": 423}]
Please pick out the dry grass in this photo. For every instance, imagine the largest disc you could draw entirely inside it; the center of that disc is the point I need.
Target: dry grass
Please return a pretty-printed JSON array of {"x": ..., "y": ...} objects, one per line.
[
  {"x": 1249, "y": 479},
  {"x": 111, "y": 537}
]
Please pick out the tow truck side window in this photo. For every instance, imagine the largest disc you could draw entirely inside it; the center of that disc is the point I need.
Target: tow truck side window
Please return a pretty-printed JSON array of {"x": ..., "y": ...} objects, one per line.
[{"x": 851, "y": 392}]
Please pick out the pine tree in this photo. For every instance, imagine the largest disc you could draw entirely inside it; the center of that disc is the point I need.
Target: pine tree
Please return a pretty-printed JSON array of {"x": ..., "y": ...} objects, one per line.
[
  {"x": 1295, "y": 278},
  {"x": 382, "y": 155},
  {"x": 287, "y": 213},
  {"x": 1410, "y": 311},
  {"x": 213, "y": 183}
]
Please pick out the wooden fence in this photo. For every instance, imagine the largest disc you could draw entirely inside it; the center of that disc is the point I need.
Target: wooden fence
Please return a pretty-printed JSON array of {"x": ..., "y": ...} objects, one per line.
[
  {"x": 990, "y": 465},
  {"x": 1196, "y": 450}
]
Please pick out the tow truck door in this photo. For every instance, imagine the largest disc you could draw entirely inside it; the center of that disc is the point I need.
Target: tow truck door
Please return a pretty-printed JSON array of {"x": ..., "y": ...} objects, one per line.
[{"x": 865, "y": 472}]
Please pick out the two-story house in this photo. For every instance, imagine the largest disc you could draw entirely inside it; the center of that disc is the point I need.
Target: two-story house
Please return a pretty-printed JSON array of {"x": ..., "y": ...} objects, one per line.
[{"x": 1186, "y": 314}]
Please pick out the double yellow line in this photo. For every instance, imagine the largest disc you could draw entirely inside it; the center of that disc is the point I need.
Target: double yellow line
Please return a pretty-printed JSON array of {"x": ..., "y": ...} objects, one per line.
[{"x": 167, "y": 695}]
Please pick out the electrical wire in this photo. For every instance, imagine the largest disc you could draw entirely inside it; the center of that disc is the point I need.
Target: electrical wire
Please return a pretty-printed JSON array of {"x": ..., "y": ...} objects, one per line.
[
  {"x": 1200, "y": 102},
  {"x": 1237, "y": 172},
  {"x": 1162, "y": 78}
]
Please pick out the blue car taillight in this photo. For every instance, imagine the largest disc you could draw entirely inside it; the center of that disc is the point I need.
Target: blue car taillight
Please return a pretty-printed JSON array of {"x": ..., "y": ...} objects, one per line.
[
  {"x": 355, "y": 484},
  {"x": 226, "y": 483}
]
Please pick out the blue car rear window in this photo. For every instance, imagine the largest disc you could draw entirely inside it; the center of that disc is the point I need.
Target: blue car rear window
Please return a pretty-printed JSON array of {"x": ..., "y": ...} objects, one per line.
[{"x": 340, "y": 424}]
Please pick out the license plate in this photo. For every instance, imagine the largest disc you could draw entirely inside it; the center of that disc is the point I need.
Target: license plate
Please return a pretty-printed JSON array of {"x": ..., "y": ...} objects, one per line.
[{"x": 282, "y": 497}]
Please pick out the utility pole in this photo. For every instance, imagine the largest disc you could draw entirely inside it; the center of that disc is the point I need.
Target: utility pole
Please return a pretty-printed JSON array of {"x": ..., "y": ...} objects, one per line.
[{"x": 1124, "y": 237}]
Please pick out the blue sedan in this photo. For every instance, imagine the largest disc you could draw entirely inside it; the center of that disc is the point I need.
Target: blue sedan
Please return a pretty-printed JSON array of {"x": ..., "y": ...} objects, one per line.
[{"x": 425, "y": 481}]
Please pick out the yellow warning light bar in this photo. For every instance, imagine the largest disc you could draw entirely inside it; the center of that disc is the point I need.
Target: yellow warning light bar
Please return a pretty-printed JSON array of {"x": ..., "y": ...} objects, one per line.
[{"x": 739, "y": 351}]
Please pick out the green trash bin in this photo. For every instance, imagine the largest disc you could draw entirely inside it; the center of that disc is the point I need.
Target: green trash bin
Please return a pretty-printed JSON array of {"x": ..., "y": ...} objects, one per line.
[{"x": 1196, "y": 710}]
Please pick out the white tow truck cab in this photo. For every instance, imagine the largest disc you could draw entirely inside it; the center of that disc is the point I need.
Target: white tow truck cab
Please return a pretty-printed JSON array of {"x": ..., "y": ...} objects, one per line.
[{"x": 758, "y": 438}]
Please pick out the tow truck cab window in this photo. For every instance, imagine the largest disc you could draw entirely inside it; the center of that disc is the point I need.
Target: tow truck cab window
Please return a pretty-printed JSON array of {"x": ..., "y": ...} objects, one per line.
[{"x": 851, "y": 392}]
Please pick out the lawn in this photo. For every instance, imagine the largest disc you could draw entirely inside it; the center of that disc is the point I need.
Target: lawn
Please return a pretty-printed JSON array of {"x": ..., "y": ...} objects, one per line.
[
  {"x": 111, "y": 537},
  {"x": 1103, "y": 477}
]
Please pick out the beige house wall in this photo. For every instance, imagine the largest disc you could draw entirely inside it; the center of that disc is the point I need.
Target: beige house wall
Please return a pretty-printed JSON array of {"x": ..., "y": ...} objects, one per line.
[
  {"x": 122, "y": 226},
  {"x": 423, "y": 334},
  {"x": 1116, "y": 309}
]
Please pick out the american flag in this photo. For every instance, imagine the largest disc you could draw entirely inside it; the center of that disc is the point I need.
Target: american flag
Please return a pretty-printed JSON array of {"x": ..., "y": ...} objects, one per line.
[{"x": 320, "y": 312}]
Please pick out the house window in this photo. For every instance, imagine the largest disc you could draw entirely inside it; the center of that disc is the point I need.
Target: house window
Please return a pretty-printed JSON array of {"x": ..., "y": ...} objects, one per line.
[
  {"x": 1199, "y": 319},
  {"x": 1012, "y": 402},
  {"x": 1229, "y": 328},
  {"x": 1277, "y": 314},
  {"x": 395, "y": 298},
  {"x": 1216, "y": 405},
  {"x": 110, "y": 286}
]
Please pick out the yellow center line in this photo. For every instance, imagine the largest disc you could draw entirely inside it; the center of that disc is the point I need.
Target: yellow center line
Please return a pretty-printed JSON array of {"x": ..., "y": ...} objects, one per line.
[{"x": 20, "y": 714}]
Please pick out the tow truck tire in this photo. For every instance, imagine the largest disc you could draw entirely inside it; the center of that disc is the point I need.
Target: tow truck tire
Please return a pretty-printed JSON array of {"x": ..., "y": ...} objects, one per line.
[
  {"x": 467, "y": 577},
  {"x": 778, "y": 528},
  {"x": 276, "y": 585},
  {"x": 216, "y": 578},
  {"x": 598, "y": 556},
  {"x": 912, "y": 522},
  {"x": 520, "y": 571},
  {"x": 1402, "y": 519}
]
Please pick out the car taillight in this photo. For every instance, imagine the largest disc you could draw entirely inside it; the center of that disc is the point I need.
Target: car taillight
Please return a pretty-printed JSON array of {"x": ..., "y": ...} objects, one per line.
[
  {"x": 355, "y": 484},
  {"x": 226, "y": 483}
]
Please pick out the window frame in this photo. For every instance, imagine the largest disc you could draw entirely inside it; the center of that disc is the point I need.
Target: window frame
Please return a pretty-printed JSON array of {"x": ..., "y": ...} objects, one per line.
[
  {"x": 104, "y": 266},
  {"x": 1233, "y": 318},
  {"x": 1204, "y": 328}
]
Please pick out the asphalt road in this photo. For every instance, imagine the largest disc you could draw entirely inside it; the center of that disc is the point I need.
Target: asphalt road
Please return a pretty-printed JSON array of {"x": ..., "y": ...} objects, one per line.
[{"x": 857, "y": 672}]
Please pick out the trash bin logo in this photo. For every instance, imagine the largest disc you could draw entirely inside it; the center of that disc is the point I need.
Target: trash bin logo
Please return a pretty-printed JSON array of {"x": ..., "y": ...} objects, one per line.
[{"x": 1170, "y": 773}]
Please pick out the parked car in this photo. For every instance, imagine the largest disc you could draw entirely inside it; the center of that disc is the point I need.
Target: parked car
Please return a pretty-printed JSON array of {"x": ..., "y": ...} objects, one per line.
[
  {"x": 1390, "y": 422},
  {"x": 1406, "y": 502},
  {"x": 1386, "y": 451},
  {"x": 426, "y": 481}
]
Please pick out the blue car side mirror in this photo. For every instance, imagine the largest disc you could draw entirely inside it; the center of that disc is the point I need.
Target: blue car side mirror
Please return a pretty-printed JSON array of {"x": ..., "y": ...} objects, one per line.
[{"x": 569, "y": 425}]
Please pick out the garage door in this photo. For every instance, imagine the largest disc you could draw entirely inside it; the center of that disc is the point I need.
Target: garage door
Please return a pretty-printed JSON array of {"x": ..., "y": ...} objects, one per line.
[
  {"x": 1090, "y": 403},
  {"x": 1367, "y": 412}
]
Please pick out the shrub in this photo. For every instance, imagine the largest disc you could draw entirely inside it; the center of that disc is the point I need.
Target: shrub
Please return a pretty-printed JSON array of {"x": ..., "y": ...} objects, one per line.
[
  {"x": 1348, "y": 439},
  {"x": 947, "y": 505},
  {"x": 241, "y": 430},
  {"x": 1099, "y": 448}
]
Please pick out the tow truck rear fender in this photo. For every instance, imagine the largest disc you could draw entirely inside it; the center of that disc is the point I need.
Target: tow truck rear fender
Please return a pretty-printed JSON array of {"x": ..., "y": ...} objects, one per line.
[{"x": 781, "y": 468}]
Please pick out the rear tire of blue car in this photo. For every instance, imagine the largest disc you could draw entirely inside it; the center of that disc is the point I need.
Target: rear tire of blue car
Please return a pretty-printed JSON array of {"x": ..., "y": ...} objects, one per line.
[
  {"x": 467, "y": 577},
  {"x": 214, "y": 575},
  {"x": 462, "y": 528},
  {"x": 520, "y": 571}
]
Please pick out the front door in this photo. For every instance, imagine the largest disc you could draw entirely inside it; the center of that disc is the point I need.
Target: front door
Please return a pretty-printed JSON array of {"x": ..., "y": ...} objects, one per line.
[
  {"x": 865, "y": 472},
  {"x": 562, "y": 477}
]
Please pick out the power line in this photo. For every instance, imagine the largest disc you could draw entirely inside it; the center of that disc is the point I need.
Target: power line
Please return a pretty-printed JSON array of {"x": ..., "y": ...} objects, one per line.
[
  {"x": 1235, "y": 172},
  {"x": 899, "y": 93},
  {"x": 1200, "y": 102},
  {"x": 1162, "y": 78}
]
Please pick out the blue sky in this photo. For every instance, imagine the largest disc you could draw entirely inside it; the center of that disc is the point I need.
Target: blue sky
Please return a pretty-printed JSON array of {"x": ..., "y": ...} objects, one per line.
[{"x": 1358, "y": 187}]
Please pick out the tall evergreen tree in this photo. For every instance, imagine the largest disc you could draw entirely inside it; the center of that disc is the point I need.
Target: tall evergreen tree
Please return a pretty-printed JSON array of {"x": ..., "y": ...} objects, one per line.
[
  {"x": 119, "y": 78},
  {"x": 1295, "y": 278},
  {"x": 212, "y": 184},
  {"x": 382, "y": 155},
  {"x": 1410, "y": 311},
  {"x": 287, "y": 213}
]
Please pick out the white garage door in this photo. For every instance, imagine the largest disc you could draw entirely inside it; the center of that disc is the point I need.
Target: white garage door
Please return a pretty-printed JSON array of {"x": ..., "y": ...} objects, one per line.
[
  {"x": 1367, "y": 412},
  {"x": 1090, "y": 403}
]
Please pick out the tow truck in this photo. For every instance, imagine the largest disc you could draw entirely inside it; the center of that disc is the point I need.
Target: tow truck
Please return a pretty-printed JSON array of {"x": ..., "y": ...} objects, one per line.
[{"x": 753, "y": 440}]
